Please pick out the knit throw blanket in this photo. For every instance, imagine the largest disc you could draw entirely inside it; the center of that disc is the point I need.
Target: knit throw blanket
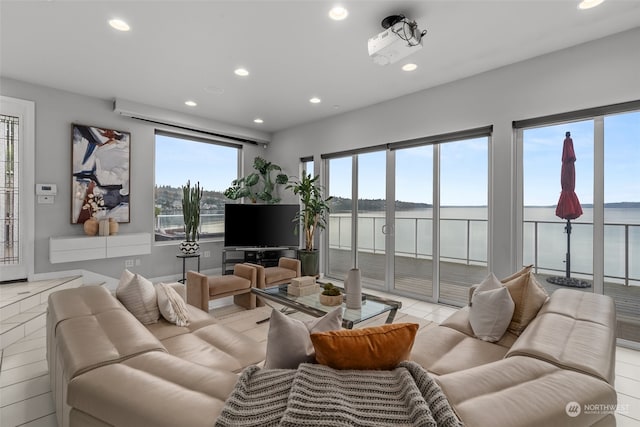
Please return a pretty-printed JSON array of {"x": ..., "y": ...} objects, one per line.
[{"x": 316, "y": 395}]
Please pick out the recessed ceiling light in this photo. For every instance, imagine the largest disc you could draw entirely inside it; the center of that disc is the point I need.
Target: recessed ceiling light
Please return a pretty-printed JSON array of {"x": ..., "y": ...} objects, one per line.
[
  {"x": 242, "y": 72},
  {"x": 119, "y": 24},
  {"x": 315, "y": 100},
  {"x": 338, "y": 13},
  {"x": 190, "y": 103},
  {"x": 258, "y": 120},
  {"x": 588, "y": 4},
  {"x": 409, "y": 67}
]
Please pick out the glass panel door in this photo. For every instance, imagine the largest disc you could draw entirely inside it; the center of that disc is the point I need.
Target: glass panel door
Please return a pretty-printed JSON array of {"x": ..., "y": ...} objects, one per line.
[
  {"x": 371, "y": 217},
  {"x": 413, "y": 258},
  {"x": 463, "y": 217},
  {"x": 622, "y": 220},
  {"x": 16, "y": 169},
  {"x": 546, "y": 243},
  {"x": 9, "y": 191},
  {"x": 339, "y": 255},
  {"x": 397, "y": 247}
]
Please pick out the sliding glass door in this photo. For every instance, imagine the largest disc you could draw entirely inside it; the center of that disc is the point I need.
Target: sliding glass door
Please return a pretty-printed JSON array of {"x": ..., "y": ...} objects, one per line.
[
  {"x": 622, "y": 219},
  {"x": 462, "y": 217},
  {"x": 601, "y": 252},
  {"x": 339, "y": 252},
  {"x": 432, "y": 241},
  {"x": 413, "y": 258},
  {"x": 371, "y": 217},
  {"x": 356, "y": 236}
]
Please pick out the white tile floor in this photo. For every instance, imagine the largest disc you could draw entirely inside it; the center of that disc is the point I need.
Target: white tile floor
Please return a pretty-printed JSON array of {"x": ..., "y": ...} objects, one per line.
[{"x": 25, "y": 397}]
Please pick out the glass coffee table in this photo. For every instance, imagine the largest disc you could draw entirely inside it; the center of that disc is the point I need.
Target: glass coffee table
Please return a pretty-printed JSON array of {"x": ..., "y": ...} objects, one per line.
[{"x": 372, "y": 305}]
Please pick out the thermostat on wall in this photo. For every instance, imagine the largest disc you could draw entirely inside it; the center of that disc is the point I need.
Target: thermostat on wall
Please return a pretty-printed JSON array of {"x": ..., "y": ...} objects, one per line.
[
  {"x": 46, "y": 193},
  {"x": 46, "y": 189}
]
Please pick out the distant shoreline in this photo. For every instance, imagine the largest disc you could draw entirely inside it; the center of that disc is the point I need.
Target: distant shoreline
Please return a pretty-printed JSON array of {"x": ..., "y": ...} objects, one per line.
[{"x": 379, "y": 205}]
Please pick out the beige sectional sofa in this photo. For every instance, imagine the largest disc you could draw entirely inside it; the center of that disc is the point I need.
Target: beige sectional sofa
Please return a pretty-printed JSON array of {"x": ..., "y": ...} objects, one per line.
[
  {"x": 565, "y": 355},
  {"x": 108, "y": 369}
]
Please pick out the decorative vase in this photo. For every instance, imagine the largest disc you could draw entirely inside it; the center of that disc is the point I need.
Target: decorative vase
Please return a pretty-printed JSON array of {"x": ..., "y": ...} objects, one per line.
[
  {"x": 353, "y": 289},
  {"x": 113, "y": 226},
  {"x": 331, "y": 300},
  {"x": 103, "y": 227},
  {"x": 91, "y": 227},
  {"x": 188, "y": 248}
]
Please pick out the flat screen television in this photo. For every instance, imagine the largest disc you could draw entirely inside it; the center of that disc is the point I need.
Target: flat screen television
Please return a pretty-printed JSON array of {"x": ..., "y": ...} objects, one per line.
[{"x": 260, "y": 226}]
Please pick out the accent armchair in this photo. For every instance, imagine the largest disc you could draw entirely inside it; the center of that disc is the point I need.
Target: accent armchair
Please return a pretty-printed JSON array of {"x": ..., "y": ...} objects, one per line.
[
  {"x": 201, "y": 289},
  {"x": 266, "y": 277}
]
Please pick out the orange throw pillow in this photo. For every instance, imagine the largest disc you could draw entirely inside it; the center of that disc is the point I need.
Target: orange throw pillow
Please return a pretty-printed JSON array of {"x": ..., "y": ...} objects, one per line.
[{"x": 378, "y": 347}]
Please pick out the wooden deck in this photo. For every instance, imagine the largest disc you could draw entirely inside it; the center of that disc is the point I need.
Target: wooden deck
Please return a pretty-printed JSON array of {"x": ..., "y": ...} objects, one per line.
[{"x": 413, "y": 276}]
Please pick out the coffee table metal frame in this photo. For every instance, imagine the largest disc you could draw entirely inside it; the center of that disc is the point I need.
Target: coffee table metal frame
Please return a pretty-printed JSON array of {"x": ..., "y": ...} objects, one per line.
[{"x": 372, "y": 305}]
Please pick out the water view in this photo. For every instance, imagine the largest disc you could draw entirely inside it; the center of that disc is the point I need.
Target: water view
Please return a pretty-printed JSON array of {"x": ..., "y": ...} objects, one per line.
[{"x": 464, "y": 238}]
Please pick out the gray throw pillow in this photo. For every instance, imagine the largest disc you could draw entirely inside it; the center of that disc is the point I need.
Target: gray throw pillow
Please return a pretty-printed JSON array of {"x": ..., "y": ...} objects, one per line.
[
  {"x": 289, "y": 341},
  {"x": 491, "y": 309},
  {"x": 138, "y": 295}
]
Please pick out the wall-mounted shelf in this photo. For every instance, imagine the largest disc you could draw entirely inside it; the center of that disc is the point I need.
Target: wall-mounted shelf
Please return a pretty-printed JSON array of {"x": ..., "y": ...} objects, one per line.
[{"x": 82, "y": 248}]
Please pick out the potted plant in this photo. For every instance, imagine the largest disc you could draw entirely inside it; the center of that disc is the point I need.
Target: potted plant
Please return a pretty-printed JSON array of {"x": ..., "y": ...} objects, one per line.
[
  {"x": 191, "y": 197},
  {"x": 330, "y": 295},
  {"x": 249, "y": 186},
  {"x": 312, "y": 217}
]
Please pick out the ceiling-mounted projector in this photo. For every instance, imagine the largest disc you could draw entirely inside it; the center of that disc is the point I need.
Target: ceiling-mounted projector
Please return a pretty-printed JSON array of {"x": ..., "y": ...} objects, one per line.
[{"x": 401, "y": 38}]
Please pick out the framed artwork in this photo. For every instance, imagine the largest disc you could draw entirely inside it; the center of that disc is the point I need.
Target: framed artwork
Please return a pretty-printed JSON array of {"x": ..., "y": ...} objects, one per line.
[{"x": 100, "y": 174}]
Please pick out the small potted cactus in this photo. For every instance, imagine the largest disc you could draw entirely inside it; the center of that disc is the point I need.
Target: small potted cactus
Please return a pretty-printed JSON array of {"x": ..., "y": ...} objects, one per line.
[{"x": 331, "y": 295}]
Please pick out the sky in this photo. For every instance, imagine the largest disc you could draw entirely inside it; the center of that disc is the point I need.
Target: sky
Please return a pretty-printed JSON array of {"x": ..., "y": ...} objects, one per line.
[
  {"x": 543, "y": 154},
  {"x": 463, "y": 168},
  {"x": 178, "y": 160}
]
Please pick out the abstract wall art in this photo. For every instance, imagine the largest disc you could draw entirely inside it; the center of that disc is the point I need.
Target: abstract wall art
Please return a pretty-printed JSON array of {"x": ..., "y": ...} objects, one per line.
[{"x": 100, "y": 174}]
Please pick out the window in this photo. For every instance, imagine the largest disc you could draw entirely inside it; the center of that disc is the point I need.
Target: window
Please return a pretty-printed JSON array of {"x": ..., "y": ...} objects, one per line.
[
  {"x": 183, "y": 158},
  {"x": 439, "y": 216},
  {"x": 307, "y": 166},
  {"x": 600, "y": 252},
  {"x": 9, "y": 237}
]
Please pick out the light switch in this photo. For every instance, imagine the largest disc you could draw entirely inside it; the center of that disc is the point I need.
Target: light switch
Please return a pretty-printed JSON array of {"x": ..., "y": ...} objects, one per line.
[{"x": 46, "y": 200}]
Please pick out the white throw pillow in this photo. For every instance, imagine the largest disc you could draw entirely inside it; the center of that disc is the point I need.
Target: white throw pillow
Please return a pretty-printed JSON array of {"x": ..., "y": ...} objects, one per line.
[
  {"x": 171, "y": 305},
  {"x": 491, "y": 309},
  {"x": 138, "y": 295},
  {"x": 289, "y": 341}
]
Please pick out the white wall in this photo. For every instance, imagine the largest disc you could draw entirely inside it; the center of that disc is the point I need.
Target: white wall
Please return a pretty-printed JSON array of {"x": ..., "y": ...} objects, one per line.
[
  {"x": 598, "y": 73},
  {"x": 55, "y": 112}
]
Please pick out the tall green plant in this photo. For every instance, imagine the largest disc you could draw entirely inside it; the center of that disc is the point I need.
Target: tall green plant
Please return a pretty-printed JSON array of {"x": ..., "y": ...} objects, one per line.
[
  {"x": 313, "y": 214},
  {"x": 258, "y": 185},
  {"x": 191, "y": 197}
]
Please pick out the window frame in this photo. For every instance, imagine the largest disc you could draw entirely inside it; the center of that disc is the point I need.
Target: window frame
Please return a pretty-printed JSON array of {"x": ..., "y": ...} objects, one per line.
[{"x": 211, "y": 237}]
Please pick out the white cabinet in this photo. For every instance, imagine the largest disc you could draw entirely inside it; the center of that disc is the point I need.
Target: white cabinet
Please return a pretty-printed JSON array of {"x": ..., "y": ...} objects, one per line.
[
  {"x": 128, "y": 244},
  {"x": 82, "y": 248},
  {"x": 69, "y": 249}
]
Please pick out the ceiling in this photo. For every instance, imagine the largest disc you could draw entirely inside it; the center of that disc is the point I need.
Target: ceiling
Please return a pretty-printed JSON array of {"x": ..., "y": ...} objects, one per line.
[{"x": 188, "y": 50}]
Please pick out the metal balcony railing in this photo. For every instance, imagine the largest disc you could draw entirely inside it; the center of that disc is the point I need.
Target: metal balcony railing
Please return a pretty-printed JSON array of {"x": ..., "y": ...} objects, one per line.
[{"x": 465, "y": 240}]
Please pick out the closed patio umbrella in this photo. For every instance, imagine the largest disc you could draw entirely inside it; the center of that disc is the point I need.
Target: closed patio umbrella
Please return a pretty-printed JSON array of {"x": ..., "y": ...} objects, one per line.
[{"x": 568, "y": 208}]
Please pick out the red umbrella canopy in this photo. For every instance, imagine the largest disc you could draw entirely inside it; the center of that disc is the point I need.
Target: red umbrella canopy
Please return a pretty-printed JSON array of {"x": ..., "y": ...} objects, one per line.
[{"x": 568, "y": 204}]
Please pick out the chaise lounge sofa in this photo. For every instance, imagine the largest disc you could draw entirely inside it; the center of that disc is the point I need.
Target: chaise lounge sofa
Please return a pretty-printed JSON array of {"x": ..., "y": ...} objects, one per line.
[
  {"x": 108, "y": 369},
  {"x": 563, "y": 360}
]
